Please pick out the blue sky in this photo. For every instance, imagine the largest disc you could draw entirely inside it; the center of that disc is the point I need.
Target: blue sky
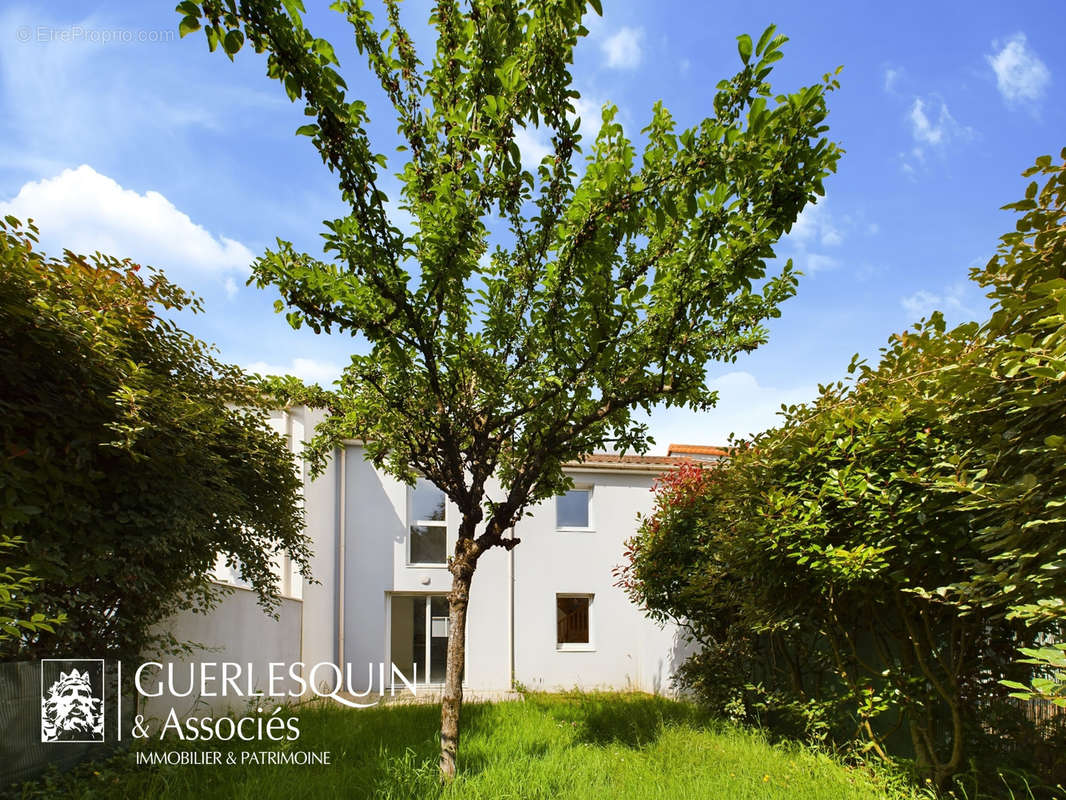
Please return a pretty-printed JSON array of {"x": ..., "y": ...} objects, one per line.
[{"x": 117, "y": 135}]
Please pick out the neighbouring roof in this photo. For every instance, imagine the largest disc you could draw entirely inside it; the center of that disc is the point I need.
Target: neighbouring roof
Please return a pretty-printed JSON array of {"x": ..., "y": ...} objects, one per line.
[
  {"x": 656, "y": 463},
  {"x": 700, "y": 451}
]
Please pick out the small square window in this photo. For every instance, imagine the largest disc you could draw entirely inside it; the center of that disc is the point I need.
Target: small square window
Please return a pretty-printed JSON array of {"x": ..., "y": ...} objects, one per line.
[
  {"x": 572, "y": 509},
  {"x": 572, "y": 621}
]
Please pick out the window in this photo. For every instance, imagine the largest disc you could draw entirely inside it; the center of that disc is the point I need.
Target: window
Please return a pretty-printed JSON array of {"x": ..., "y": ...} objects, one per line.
[
  {"x": 228, "y": 570},
  {"x": 572, "y": 510},
  {"x": 428, "y": 542},
  {"x": 572, "y": 631}
]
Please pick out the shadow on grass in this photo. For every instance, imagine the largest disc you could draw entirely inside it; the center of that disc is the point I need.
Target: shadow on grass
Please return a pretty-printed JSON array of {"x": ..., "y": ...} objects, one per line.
[
  {"x": 632, "y": 720},
  {"x": 405, "y": 739}
]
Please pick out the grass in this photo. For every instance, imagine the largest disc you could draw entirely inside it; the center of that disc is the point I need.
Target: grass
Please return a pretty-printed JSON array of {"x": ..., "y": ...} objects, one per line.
[{"x": 572, "y": 746}]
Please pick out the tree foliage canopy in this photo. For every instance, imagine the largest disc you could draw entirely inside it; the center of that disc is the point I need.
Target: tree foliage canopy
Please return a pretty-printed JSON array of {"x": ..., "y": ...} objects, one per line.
[
  {"x": 885, "y": 550},
  {"x": 526, "y": 313},
  {"x": 132, "y": 456}
]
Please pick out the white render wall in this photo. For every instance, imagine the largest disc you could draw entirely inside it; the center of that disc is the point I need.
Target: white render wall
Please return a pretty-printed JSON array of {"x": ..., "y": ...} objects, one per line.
[
  {"x": 376, "y": 568},
  {"x": 318, "y": 642},
  {"x": 627, "y": 650},
  {"x": 237, "y": 630}
]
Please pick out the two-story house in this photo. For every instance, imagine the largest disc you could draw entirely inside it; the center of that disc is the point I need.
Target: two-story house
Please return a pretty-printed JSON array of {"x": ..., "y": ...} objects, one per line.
[{"x": 545, "y": 615}]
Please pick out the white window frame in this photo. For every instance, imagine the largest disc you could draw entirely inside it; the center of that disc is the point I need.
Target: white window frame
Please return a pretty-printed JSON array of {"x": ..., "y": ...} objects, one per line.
[
  {"x": 575, "y": 647},
  {"x": 578, "y": 487},
  {"x": 432, "y": 523}
]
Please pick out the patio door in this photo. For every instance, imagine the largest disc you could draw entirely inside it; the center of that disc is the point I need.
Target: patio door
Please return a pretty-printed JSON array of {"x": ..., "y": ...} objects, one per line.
[{"x": 419, "y": 636}]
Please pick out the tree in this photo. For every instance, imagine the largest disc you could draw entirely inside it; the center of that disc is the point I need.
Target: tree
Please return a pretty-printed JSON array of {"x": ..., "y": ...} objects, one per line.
[
  {"x": 132, "y": 457},
  {"x": 529, "y": 312},
  {"x": 887, "y": 549}
]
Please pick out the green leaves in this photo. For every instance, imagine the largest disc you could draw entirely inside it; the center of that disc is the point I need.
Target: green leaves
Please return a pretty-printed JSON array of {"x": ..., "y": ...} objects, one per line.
[
  {"x": 188, "y": 25},
  {"x": 232, "y": 42},
  {"x": 744, "y": 47},
  {"x": 916, "y": 509},
  {"x": 1051, "y": 686},
  {"x": 133, "y": 457},
  {"x": 764, "y": 40}
]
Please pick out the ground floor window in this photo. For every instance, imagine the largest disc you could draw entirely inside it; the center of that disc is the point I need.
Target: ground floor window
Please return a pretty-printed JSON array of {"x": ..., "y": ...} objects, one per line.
[{"x": 572, "y": 625}]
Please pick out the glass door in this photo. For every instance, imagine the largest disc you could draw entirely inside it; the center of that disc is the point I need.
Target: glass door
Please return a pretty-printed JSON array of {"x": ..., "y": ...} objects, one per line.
[
  {"x": 419, "y": 637},
  {"x": 437, "y": 608}
]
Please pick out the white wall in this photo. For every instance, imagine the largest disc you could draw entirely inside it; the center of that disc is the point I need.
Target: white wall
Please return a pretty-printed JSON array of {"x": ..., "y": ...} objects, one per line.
[
  {"x": 628, "y": 650},
  {"x": 319, "y": 641},
  {"x": 376, "y": 567},
  {"x": 237, "y": 630}
]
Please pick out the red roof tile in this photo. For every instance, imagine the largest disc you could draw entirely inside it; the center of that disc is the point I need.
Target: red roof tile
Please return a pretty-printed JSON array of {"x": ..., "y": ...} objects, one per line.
[
  {"x": 615, "y": 461},
  {"x": 698, "y": 450}
]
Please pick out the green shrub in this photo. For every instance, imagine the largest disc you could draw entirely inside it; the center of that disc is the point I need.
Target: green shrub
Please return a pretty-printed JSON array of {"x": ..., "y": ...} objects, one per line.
[
  {"x": 131, "y": 456},
  {"x": 867, "y": 571}
]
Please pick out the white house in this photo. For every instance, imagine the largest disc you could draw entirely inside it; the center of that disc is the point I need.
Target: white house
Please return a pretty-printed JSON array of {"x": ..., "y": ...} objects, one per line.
[{"x": 545, "y": 615}]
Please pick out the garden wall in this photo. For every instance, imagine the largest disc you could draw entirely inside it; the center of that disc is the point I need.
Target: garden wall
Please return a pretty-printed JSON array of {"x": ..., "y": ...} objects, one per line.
[{"x": 237, "y": 630}]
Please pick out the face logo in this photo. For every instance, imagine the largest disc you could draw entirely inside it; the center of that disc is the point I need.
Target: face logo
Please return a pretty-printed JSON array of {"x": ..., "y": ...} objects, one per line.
[{"x": 71, "y": 710}]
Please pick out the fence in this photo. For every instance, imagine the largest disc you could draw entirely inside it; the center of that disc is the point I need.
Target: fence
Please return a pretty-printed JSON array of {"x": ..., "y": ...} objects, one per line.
[{"x": 23, "y": 752}]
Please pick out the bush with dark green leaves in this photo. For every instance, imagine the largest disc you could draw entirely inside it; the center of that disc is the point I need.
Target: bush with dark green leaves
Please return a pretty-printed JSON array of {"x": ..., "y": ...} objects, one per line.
[
  {"x": 132, "y": 457},
  {"x": 869, "y": 570}
]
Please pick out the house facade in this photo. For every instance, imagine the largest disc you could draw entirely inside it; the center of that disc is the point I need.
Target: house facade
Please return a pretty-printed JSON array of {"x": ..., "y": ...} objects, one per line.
[{"x": 544, "y": 615}]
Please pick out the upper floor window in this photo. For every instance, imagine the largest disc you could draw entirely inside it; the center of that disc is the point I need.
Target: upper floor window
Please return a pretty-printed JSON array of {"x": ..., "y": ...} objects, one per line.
[
  {"x": 428, "y": 540},
  {"x": 572, "y": 509}
]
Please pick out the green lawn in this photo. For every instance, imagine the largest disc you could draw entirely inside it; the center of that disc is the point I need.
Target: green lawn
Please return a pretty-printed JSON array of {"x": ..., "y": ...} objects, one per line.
[{"x": 549, "y": 746}]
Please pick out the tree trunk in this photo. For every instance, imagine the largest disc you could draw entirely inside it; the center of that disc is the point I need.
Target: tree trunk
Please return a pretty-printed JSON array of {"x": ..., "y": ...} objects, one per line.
[{"x": 452, "y": 699}]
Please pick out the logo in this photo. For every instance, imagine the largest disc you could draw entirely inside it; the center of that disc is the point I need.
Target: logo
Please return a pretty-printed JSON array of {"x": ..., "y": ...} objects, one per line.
[{"x": 72, "y": 700}]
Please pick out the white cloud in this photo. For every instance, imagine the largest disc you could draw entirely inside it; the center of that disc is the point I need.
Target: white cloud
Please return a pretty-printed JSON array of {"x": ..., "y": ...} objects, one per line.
[
  {"x": 921, "y": 303},
  {"x": 685, "y": 66},
  {"x": 306, "y": 369},
  {"x": 927, "y": 131},
  {"x": 590, "y": 109},
  {"x": 84, "y": 211},
  {"x": 817, "y": 262},
  {"x": 832, "y": 238},
  {"x": 744, "y": 407},
  {"x": 892, "y": 77},
  {"x": 815, "y": 228},
  {"x": 958, "y": 303},
  {"x": 932, "y": 126},
  {"x": 1020, "y": 74},
  {"x": 816, "y": 225},
  {"x": 533, "y": 146},
  {"x": 624, "y": 49}
]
